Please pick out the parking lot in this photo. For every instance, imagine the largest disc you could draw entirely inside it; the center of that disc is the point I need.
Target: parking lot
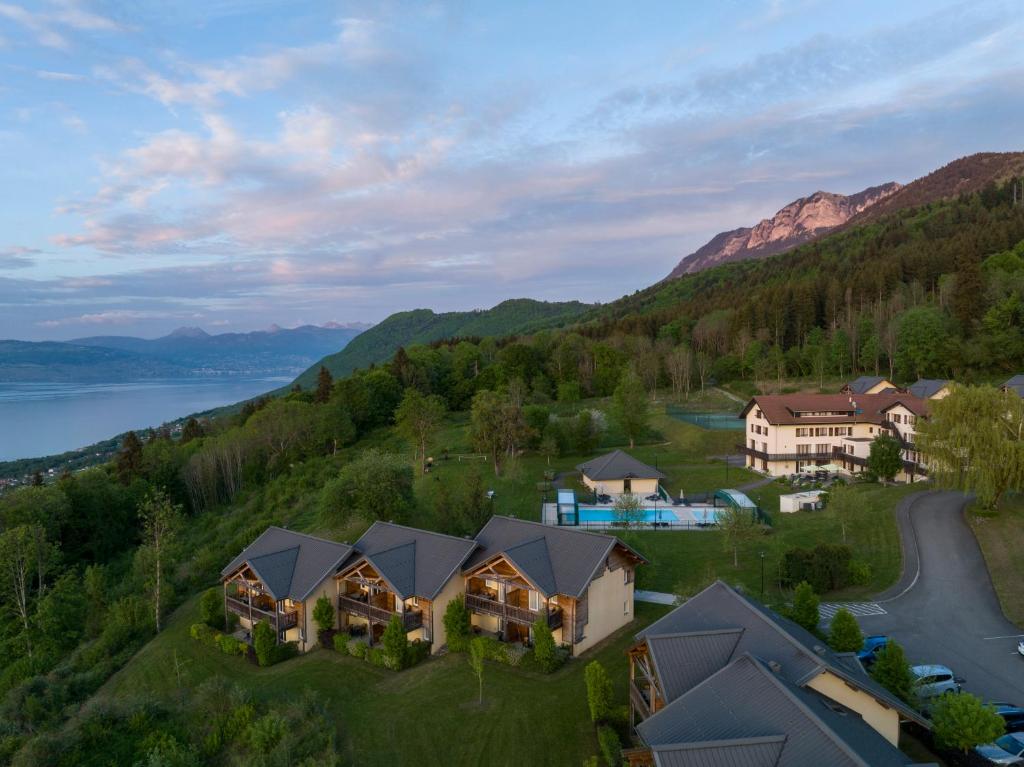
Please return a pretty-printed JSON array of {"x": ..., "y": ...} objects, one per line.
[{"x": 944, "y": 610}]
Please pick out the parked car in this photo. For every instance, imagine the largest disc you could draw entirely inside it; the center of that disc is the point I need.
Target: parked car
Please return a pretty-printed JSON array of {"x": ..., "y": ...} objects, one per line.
[
  {"x": 873, "y": 645},
  {"x": 1008, "y": 749},
  {"x": 933, "y": 681},
  {"x": 1012, "y": 715}
]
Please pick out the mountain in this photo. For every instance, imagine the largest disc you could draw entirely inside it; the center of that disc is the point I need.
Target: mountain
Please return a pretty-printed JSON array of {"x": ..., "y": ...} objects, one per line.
[
  {"x": 963, "y": 176},
  {"x": 276, "y": 351},
  {"x": 421, "y": 326},
  {"x": 56, "y": 362},
  {"x": 799, "y": 222},
  {"x": 810, "y": 218}
]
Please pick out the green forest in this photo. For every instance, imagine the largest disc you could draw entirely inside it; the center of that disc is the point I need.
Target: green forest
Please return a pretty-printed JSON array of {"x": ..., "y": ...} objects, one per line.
[{"x": 96, "y": 562}]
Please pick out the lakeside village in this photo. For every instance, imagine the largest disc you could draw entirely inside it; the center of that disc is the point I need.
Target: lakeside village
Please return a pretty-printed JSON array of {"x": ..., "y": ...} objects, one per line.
[{"x": 706, "y": 681}]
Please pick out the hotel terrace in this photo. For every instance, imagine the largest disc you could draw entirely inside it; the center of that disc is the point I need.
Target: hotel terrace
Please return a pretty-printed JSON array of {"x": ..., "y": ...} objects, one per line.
[
  {"x": 512, "y": 574},
  {"x": 785, "y": 433}
]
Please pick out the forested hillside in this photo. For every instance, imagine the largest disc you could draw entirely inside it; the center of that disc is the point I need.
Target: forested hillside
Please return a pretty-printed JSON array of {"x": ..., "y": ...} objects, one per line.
[
  {"x": 422, "y": 326},
  {"x": 56, "y": 362}
]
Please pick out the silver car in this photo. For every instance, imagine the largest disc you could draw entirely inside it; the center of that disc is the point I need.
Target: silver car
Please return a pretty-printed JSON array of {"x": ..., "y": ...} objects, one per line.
[
  {"x": 1009, "y": 749},
  {"x": 933, "y": 681}
]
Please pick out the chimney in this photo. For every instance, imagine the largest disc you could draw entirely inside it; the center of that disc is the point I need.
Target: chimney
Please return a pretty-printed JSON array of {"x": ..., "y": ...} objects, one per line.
[
  {"x": 775, "y": 666},
  {"x": 819, "y": 650}
]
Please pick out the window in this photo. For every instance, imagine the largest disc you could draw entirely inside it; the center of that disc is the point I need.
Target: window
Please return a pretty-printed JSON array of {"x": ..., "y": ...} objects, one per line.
[
  {"x": 822, "y": 448},
  {"x": 801, "y": 431},
  {"x": 759, "y": 414},
  {"x": 625, "y": 607},
  {"x": 803, "y": 449}
]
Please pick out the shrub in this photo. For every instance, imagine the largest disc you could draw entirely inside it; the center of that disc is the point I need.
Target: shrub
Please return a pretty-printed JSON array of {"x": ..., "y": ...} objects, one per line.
[
  {"x": 417, "y": 652},
  {"x": 211, "y": 608},
  {"x": 963, "y": 722},
  {"x": 457, "y": 625},
  {"x": 284, "y": 651},
  {"x": 395, "y": 642},
  {"x": 357, "y": 648},
  {"x": 231, "y": 646},
  {"x": 860, "y": 573},
  {"x": 805, "y": 607},
  {"x": 201, "y": 632},
  {"x": 266, "y": 732},
  {"x": 341, "y": 642},
  {"x": 611, "y": 746},
  {"x": 826, "y": 567},
  {"x": 844, "y": 634},
  {"x": 599, "y": 691},
  {"x": 323, "y": 613},
  {"x": 263, "y": 643},
  {"x": 544, "y": 645}
]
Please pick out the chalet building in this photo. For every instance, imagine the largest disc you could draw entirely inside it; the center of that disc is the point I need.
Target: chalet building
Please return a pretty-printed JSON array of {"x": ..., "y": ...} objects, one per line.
[
  {"x": 929, "y": 388},
  {"x": 618, "y": 473},
  {"x": 722, "y": 680},
  {"x": 785, "y": 433},
  {"x": 278, "y": 578},
  {"x": 403, "y": 571},
  {"x": 869, "y": 385},
  {"x": 1015, "y": 385},
  {"x": 581, "y": 583}
]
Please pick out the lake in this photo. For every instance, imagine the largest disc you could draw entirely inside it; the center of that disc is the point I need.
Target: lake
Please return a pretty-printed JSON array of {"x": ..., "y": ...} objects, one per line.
[{"x": 45, "y": 418}]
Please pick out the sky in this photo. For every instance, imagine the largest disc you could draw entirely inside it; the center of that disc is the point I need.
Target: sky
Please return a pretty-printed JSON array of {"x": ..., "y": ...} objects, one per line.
[{"x": 234, "y": 164}]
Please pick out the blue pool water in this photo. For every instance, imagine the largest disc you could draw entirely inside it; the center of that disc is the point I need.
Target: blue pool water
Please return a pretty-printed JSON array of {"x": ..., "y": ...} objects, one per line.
[{"x": 609, "y": 515}]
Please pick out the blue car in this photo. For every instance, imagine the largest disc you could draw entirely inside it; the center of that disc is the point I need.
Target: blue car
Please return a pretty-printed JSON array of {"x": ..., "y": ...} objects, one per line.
[
  {"x": 1013, "y": 716},
  {"x": 873, "y": 645}
]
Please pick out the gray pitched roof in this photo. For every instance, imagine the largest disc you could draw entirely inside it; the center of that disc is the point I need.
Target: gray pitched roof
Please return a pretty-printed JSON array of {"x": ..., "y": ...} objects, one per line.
[
  {"x": 742, "y": 752},
  {"x": 1016, "y": 385},
  {"x": 926, "y": 387},
  {"x": 682, "y": 661},
  {"x": 290, "y": 565},
  {"x": 800, "y": 655},
  {"x": 559, "y": 560},
  {"x": 864, "y": 383},
  {"x": 746, "y": 700},
  {"x": 618, "y": 465},
  {"x": 414, "y": 562}
]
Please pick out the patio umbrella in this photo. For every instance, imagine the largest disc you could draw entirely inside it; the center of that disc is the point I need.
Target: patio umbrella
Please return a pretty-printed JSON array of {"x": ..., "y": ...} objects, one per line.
[
  {"x": 831, "y": 468},
  {"x": 810, "y": 469}
]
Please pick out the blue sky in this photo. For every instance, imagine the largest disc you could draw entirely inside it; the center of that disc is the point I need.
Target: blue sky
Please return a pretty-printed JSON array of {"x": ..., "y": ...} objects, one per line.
[{"x": 235, "y": 164}]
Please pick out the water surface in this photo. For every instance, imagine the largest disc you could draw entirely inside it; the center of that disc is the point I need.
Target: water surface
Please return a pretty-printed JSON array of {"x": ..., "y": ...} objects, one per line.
[{"x": 48, "y": 418}]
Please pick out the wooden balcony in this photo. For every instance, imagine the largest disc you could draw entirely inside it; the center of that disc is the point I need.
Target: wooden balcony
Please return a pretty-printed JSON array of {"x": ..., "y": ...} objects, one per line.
[
  {"x": 411, "y": 619},
  {"x": 481, "y": 604},
  {"x": 283, "y": 620},
  {"x": 763, "y": 456},
  {"x": 639, "y": 703}
]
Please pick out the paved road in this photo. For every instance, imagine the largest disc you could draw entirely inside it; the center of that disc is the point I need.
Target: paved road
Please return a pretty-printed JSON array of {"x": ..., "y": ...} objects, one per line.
[{"x": 944, "y": 609}]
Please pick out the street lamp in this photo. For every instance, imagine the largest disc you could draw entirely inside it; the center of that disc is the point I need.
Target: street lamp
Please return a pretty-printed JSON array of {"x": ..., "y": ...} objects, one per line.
[{"x": 762, "y": 574}]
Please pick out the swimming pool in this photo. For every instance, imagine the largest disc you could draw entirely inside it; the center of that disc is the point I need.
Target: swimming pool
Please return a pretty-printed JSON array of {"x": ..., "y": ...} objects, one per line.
[{"x": 696, "y": 515}]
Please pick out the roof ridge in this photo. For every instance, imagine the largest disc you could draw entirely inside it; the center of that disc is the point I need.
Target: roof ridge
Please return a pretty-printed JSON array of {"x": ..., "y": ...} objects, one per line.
[
  {"x": 818, "y": 721},
  {"x": 723, "y": 743},
  {"x": 705, "y": 632},
  {"x": 552, "y": 527},
  {"x": 296, "y": 532},
  {"x": 418, "y": 530}
]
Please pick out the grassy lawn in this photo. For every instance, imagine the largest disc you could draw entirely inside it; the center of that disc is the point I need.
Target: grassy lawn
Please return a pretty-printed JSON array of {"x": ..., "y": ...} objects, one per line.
[
  {"x": 684, "y": 562},
  {"x": 425, "y": 715},
  {"x": 999, "y": 536}
]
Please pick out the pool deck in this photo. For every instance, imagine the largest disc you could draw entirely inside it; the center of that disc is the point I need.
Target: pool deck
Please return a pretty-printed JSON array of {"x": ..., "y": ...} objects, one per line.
[{"x": 686, "y": 518}]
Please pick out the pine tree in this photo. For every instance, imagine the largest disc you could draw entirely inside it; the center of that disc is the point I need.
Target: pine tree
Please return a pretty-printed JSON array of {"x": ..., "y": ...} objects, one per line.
[
  {"x": 324, "y": 383},
  {"x": 129, "y": 460},
  {"x": 191, "y": 430},
  {"x": 844, "y": 634},
  {"x": 805, "y": 606}
]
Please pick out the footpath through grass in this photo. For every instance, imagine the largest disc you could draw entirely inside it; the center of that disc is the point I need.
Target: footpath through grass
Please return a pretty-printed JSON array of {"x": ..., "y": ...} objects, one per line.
[
  {"x": 425, "y": 715},
  {"x": 1000, "y": 534}
]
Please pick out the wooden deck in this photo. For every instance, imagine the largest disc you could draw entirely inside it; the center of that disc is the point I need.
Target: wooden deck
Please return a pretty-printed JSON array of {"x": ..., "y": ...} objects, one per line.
[
  {"x": 411, "y": 619},
  {"x": 284, "y": 620},
  {"x": 481, "y": 604}
]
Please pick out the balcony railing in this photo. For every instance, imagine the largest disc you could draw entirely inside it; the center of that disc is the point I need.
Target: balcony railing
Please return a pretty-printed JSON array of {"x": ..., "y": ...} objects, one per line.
[
  {"x": 763, "y": 456},
  {"x": 482, "y": 604},
  {"x": 285, "y": 620},
  {"x": 411, "y": 619},
  {"x": 640, "y": 703}
]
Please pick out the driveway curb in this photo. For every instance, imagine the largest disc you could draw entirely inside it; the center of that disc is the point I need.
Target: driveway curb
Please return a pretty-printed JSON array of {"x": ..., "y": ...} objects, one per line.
[{"x": 910, "y": 553}]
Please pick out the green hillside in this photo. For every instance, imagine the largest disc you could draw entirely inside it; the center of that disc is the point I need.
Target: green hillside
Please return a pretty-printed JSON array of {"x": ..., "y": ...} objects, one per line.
[{"x": 422, "y": 326}]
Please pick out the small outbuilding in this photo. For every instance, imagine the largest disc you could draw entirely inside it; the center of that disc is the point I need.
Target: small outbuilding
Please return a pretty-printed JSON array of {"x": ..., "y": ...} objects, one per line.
[
  {"x": 618, "y": 473},
  {"x": 806, "y": 501}
]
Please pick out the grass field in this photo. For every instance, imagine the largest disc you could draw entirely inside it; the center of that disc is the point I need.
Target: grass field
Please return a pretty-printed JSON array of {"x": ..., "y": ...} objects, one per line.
[
  {"x": 999, "y": 536},
  {"x": 424, "y": 715}
]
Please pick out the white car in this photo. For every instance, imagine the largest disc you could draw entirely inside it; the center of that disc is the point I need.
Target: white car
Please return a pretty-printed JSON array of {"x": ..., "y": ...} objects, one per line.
[
  {"x": 1009, "y": 749},
  {"x": 933, "y": 681},
  {"x": 1020, "y": 647}
]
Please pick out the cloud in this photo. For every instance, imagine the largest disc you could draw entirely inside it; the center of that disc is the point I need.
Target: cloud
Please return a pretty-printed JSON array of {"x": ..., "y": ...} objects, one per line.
[
  {"x": 17, "y": 257},
  {"x": 113, "y": 317},
  {"x": 44, "y": 74},
  {"x": 50, "y": 26}
]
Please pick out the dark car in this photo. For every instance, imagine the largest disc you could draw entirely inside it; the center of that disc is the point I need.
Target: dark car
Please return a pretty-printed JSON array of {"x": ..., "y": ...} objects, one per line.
[
  {"x": 873, "y": 645},
  {"x": 1012, "y": 715}
]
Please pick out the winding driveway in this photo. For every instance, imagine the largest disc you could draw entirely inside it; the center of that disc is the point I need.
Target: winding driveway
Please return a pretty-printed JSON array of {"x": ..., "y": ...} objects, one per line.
[{"x": 944, "y": 609}]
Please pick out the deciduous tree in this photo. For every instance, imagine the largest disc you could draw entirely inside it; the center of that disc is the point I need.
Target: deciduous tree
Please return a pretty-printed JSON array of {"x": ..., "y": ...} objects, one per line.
[
  {"x": 629, "y": 407},
  {"x": 963, "y": 722},
  {"x": 886, "y": 458},
  {"x": 805, "y": 606},
  {"x": 477, "y": 655},
  {"x": 160, "y": 522},
  {"x": 892, "y": 671},
  {"x": 418, "y": 419},
  {"x": 738, "y": 527},
  {"x": 600, "y": 694},
  {"x": 844, "y": 633}
]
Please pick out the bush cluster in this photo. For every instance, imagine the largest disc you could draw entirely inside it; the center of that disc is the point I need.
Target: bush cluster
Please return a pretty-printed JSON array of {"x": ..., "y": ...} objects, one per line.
[
  {"x": 226, "y": 643},
  {"x": 827, "y": 567},
  {"x": 414, "y": 652}
]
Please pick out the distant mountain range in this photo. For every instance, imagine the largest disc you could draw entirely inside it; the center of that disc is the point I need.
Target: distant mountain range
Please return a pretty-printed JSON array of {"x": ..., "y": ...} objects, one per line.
[
  {"x": 810, "y": 218},
  {"x": 421, "y": 326},
  {"x": 187, "y": 352}
]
